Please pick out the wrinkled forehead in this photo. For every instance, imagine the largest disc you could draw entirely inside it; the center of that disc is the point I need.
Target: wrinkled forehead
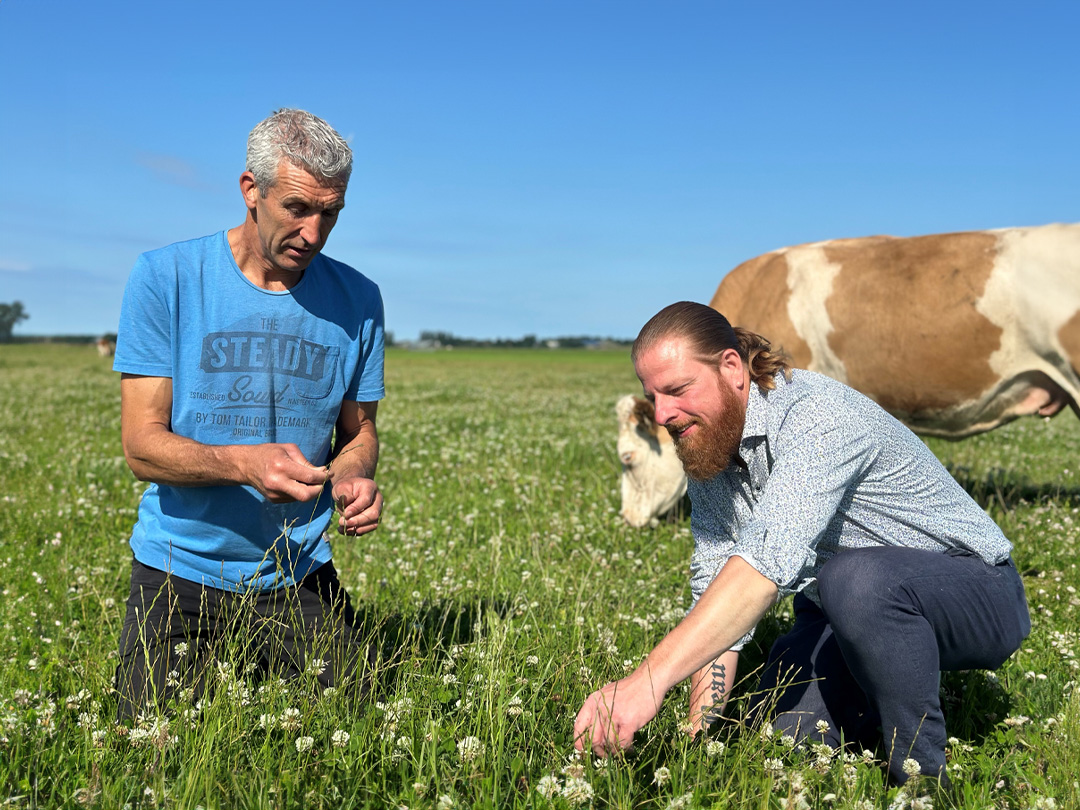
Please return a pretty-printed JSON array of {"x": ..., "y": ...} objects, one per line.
[{"x": 297, "y": 182}]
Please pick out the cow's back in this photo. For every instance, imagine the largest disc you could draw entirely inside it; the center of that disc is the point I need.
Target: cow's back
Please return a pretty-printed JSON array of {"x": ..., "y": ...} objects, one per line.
[{"x": 953, "y": 333}]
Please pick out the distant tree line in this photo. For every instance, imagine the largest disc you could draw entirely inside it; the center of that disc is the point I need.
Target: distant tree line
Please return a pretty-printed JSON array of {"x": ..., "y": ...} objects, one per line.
[{"x": 434, "y": 338}]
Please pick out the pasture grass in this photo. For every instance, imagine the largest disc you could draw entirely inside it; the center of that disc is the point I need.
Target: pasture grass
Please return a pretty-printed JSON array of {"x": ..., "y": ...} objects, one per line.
[{"x": 508, "y": 588}]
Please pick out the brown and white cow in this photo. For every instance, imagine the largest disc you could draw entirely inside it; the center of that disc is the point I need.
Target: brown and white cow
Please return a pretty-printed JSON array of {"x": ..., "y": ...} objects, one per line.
[
  {"x": 105, "y": 347},
  {"x": 954, "y": 334},
  {"x": 653, "y": 482}
]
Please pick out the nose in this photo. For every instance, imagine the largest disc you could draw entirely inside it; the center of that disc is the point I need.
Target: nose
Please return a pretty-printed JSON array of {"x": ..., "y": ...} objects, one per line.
[
  {"x": 311, "y": 229},
  {"x": 665, "y": 412}
]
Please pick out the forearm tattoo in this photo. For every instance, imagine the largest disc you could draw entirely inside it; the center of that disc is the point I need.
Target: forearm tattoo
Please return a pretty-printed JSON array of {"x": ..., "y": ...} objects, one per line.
[{"x": 710, "y": 712}]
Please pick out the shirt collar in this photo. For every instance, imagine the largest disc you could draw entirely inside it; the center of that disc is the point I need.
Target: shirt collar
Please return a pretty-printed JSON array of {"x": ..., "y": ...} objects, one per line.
[{"x": 756, "y": 412}]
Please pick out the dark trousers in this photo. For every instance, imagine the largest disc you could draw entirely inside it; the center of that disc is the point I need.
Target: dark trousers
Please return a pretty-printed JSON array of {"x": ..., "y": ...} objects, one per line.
[
  {"x": 868, "y": 661},
  {"x": 179, "y": 634}
]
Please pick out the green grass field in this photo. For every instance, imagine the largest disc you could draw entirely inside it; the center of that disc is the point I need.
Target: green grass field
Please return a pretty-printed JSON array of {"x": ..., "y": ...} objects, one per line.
[{"x": 504, "y": 577}]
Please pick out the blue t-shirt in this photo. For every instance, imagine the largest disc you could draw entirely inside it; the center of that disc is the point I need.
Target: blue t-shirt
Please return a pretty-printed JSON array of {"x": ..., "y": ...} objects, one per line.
[{"x": 248, "y": 366}]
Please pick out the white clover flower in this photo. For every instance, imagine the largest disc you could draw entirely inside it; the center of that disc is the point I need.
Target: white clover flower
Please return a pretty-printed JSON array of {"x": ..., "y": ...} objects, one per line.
[
  {"x": 317, "y": 667},
  {"x": 822, "y": 727},
  {"x": 774, "y": 765},
  {"x": 73, "y": 702},
  {"x": 290, "y": 719},
  {"x": 267, "y": 720},
  {"x": 911, "y": 767},
  {"x": 1017, "y": 721},
  {"x": 181, "y": 648},
  {"x": 514, "y": 708},
  {"x": 98, "y": 737},
  {"x": 548, "y": 786},
  {"x": 577, "y": 792},
  {"x": 850, "y": 775},
  {"x": 714, "y": 748},
  {"x": 681, "y": 802},
  {"x": 661, "y": 775},
  {"x": 470, "y": 748},
  {"x": 340, "y": 738},
  {"x": 532, "y": 660},
  {"x": 304, "y": 744},
  {"x": 922, "y": 803},
  {"x": 444, "y": 802}
]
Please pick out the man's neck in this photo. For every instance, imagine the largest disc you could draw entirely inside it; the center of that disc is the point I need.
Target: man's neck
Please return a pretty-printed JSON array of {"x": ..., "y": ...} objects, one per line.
[{"x": 245, "y": 246}]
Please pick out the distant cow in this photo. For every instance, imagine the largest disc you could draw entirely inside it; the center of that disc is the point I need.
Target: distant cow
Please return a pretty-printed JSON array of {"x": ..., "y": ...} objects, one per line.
[
  {"x": 105, "y": 347},
  {"x": 653, "y": 482},
  {"x": 954, "y": 334}
]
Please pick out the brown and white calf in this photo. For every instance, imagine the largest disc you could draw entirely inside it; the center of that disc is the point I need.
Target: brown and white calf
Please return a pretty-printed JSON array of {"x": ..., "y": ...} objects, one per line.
[
  {"x": 653, "y": 482},
  {"x": 954, "y": 334}
]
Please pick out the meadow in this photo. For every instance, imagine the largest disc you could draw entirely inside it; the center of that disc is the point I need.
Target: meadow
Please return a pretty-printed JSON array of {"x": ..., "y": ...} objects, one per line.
[{"x": 503, "y": 588}]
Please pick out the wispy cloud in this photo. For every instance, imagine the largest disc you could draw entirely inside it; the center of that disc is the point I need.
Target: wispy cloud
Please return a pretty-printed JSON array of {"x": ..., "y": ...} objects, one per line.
[
  {"x": 171, "y": 169},
  {"x": 14, "y": 266}
]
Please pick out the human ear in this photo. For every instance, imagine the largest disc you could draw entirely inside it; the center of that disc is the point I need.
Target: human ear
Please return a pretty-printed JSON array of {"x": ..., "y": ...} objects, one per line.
[
  {"x": 249, "y": 189},
  {"x": 732, "y": 368}
]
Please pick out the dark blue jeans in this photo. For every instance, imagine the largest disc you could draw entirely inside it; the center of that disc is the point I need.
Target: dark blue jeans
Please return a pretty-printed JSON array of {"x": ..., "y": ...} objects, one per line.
[
  {"x": 176, "y": 632},
  {"x": 868, "y": 661}
]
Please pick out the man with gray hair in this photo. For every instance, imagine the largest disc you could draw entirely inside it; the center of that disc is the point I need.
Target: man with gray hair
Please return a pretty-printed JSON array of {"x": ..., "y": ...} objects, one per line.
[{"x": 252, "y": 367}]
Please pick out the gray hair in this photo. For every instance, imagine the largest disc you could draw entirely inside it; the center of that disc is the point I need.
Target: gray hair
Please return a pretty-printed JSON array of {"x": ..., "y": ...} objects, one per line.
[{"x": 306, "y": 141}]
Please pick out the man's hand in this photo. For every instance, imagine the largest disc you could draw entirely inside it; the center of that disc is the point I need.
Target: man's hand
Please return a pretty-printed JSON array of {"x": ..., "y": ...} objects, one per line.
[
  {"x": 282, "y": 473},
  {"x": 610, "y": 716},
  {"x": 360, "y": 504}
]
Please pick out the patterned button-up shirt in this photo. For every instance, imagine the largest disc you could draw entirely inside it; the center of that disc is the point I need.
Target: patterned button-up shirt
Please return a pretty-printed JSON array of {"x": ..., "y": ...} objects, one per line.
[{"x": 825, "y": 469}]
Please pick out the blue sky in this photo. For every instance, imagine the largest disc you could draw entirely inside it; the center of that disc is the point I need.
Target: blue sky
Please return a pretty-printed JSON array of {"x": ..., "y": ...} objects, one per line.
[{"x": 528, "y": 166}]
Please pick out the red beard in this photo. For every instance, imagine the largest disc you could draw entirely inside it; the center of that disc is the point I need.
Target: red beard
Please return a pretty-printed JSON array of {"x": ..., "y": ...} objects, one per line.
[{"x": 709, "y": 450}]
